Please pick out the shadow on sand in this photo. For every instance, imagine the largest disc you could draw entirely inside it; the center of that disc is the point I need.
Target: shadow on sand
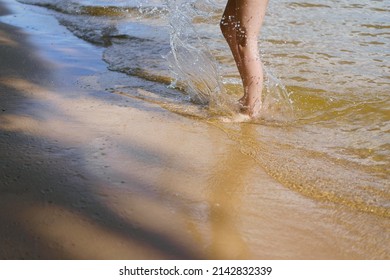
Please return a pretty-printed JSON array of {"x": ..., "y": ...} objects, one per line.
[{"x": 36, "y": 173}]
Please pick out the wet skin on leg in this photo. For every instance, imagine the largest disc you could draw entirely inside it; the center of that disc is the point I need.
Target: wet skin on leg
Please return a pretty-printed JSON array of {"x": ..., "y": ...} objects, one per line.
[{"x": 240, "y": 24}]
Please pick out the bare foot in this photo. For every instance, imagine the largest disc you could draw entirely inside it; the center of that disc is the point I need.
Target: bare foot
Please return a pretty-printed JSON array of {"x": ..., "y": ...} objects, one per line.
[{"x": 252, "y": 110}]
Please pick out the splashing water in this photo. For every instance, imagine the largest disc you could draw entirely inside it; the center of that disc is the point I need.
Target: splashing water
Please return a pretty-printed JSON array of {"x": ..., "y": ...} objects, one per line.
[
  {"x": 194, "y": 68},
  {"x": 277, "y": 105},
  {"x": 197, "y": 72}
]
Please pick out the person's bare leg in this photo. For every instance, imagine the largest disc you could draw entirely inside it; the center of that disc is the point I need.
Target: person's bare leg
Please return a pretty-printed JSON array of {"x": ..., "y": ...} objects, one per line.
[
  {"x": 228, "y": 25},
  {"x": 250, "y": 16},
  {"x": 240, "y": 25}
]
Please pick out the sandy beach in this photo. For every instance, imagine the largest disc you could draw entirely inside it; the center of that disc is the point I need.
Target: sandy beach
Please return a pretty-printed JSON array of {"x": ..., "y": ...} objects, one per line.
[{"x": 86, "y": 173}]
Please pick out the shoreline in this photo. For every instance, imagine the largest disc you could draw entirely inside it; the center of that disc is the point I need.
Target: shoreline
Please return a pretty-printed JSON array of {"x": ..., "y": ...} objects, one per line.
[
  {"x": 88, "y": 174},
  {"x": 53, "y": 205}
]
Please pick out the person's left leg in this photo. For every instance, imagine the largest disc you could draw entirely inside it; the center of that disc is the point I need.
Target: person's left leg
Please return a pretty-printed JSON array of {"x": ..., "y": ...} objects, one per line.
[
  {"x": 250, "y": 15},
  {"x": 228, "y": 25}
]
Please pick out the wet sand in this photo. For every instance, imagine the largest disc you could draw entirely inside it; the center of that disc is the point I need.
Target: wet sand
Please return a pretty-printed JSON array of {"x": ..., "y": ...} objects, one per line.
[{"x": 88, "y": 174}]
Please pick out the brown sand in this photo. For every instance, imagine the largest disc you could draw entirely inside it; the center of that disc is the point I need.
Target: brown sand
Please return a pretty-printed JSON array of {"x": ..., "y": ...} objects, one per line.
[{"x": 88, "y": 175}]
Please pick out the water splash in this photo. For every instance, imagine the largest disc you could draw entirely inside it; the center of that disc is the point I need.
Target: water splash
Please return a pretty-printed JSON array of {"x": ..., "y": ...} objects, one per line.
[
  {"x": 277, "y": 103},
  {"x": 194, "y": 68},
  {"x": 197, "y": 72}
]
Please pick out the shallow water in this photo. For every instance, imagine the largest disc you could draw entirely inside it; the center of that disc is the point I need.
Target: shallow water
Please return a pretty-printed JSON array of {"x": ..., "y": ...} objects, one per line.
[{"x": 325, "y": 128}]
